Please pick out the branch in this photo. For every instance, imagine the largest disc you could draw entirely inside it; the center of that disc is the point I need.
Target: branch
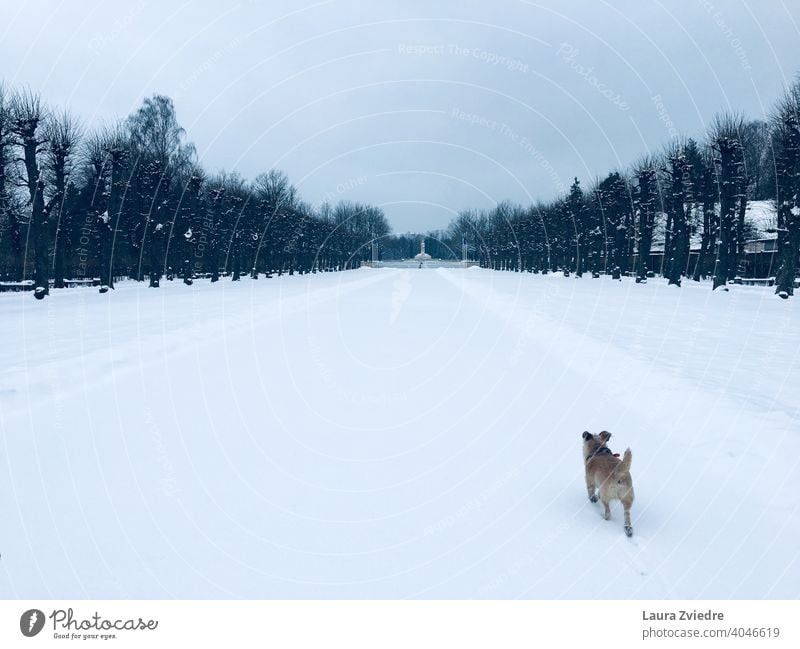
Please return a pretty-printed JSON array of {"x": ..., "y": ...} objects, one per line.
[{"x": 51, "y": 202}]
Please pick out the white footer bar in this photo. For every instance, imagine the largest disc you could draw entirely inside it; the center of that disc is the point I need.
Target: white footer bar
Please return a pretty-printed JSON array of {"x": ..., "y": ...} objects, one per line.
[{"x": 405, "y": 624}]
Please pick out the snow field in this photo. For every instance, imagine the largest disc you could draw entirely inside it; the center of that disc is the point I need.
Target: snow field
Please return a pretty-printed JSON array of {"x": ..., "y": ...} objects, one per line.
[{"x": 397, "y": 433}]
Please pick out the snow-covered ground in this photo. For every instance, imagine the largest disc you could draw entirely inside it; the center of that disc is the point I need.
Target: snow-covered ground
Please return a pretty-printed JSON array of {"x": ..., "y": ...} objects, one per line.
[{"x": 397, "y": 433}]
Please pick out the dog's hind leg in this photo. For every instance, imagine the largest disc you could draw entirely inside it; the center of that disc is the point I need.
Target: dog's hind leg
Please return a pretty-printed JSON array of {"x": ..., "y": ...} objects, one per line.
[
  {"x": 627, "y": 505},
  {"x": 590, "y": 489},
  {"x": 606, "y": 510}
]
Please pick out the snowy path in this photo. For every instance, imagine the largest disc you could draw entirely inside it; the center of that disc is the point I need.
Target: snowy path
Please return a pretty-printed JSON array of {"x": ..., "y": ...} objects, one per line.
[{"x": 396, "y": 433}]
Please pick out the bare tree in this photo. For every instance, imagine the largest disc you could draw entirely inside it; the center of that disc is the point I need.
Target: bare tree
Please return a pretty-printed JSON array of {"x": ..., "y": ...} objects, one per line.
[
  {"x": 644, "y": 203},
  {"x": 614, "y": 205},
  {"x": 786, "y": 127},
  {"x": 676, "y": 240},
  {"x": 705, "y": 193},
  {"x": 9, "y": 221},
  {"x": 28, "y": 116},
  {"x": 62, "y": 133},
  {"x": 578, "y": 214},
  {"x": 276, "y": 199},
  {"x": 160, "y": 154},
  {"x": 117, "y": 146},
  {"x": 725, "y": 141},
  {"x": 758, "y": 162},
  {"x": 187, "y": 224}
]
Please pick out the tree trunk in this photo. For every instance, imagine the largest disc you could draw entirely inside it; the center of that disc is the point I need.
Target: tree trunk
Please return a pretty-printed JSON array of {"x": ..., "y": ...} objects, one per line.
[
  {"x": 666, "y": 260},
  {"x": 788, "y": 250},
  {"x": 237, "y": 266},
  {"x": 187, "y": 272},
  {"x": 722, "y": 265},
  {"x": 114, "y": 213},
  {"x": 156, "y": 258},
  {"x": 37, "y": 226},
  {"x": 709, "y": 226},
  {"x": 58, "y": 261},
  {"x": 645, "y": 245},
  {"x": 679, "y": 235},
  {"x": 41, "y": 276},
  {"x": 645, "y": 200},
  {"x": 104, "y": 249},
  {"x": 742, "y": 210}
]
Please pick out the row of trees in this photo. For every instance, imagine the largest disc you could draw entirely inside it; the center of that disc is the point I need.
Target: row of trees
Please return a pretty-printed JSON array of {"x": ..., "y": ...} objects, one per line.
[
  {"x": 438, "y": 243},
  {"x": 691, "y": 188},
  {"x": 131, "y": 200}
]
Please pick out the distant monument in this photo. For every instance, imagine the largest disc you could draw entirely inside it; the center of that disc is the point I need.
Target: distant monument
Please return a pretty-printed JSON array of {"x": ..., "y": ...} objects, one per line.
[
  {"x": 422, "y": 260},
  {"x": 422, "y": 255}
]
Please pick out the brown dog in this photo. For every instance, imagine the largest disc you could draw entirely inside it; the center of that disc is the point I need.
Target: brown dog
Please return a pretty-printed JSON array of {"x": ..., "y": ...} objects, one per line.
[{"x": 605, "y": 472}]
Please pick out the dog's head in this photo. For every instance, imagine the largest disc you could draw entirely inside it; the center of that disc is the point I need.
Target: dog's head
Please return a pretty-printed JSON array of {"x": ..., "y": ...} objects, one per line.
[{"x": 593, "y": 442}]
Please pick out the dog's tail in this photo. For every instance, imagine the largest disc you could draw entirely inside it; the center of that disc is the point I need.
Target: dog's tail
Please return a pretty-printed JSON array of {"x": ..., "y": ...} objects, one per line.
[{"x": 624, "y": 467}]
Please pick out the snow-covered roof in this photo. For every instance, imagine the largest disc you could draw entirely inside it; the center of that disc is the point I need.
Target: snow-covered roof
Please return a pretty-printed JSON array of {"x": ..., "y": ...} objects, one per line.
[
  {"x": 764, "y": 217},
  {"x": 760, "y": 215}
]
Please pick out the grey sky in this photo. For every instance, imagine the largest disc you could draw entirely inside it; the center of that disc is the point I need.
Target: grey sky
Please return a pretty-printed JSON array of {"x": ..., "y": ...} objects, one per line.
[{"x": 424, "y": 108}]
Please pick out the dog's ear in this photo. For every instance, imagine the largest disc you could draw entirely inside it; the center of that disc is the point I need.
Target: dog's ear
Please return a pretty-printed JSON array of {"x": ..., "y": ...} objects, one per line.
[
  {"x": 605, "y": 436},
  {"x": 587, "y": 435}
]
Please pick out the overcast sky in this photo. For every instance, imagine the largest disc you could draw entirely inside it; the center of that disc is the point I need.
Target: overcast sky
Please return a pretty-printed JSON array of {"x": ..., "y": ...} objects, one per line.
[{"x": 422, "y": 107}]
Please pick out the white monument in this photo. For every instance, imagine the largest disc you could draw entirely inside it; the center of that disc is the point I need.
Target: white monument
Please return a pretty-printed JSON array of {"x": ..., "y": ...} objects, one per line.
[{"x": 422, "y": 255}]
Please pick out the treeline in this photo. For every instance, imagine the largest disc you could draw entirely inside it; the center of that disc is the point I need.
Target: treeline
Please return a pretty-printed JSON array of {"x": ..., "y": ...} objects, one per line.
[
  {"x": 131, "y": 200},
  {"x": 438, "y": 244},
  {"x": 690, "y": 188}
]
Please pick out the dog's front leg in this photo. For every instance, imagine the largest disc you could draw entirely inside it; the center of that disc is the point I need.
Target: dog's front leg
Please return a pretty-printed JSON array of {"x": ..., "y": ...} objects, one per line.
[{"x": 606, "y": 510}]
